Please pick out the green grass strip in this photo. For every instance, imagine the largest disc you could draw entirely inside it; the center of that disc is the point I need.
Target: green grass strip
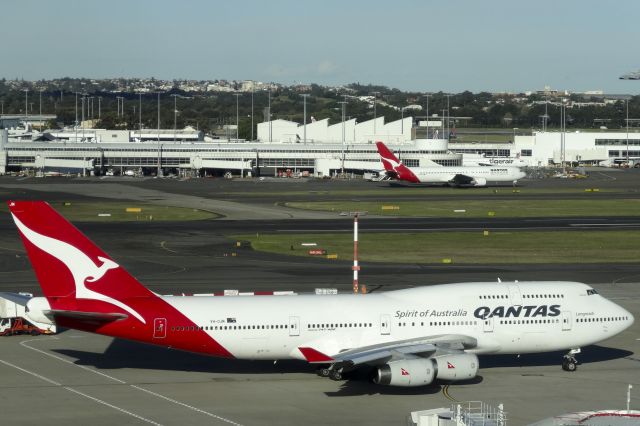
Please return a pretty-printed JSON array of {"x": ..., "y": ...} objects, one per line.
[
  {"x": 463, "y": 247},
  {"x": 482, "y": 208}
]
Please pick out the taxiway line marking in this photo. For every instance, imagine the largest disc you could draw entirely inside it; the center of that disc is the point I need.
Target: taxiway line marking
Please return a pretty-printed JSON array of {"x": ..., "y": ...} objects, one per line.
[
  {"x": 70, "y": 389},
  {"x": 164, "y": 247},
  {"x": 186, "y": 405},
  {"x": 166, "y": 398},
  {"x": 445, "y": 392}
]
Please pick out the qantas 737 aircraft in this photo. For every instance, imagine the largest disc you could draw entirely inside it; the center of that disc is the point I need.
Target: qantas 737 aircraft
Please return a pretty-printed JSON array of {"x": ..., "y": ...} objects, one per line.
[
  {"x": 458, "y": 176},
  {"x": 408, "y": 337}
]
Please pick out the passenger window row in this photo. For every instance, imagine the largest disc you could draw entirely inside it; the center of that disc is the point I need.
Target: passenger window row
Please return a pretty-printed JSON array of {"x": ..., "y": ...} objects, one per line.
[
  {"x": 437, "y": 323},
  {"x": 543, "y": 296},
  {"x": 607, "y": 319},
  {"x": 230, "y": 327},
  {"x": 526, "y": 321},
  {"x": 341, "y": 325}
]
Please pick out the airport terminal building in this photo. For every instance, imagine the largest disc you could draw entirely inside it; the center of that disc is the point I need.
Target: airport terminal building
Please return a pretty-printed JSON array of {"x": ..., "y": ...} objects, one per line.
[
  {"x": 288, "y": 148},
  {"x": 542, "y": 149},
  {"x": 282, "y": 147}
]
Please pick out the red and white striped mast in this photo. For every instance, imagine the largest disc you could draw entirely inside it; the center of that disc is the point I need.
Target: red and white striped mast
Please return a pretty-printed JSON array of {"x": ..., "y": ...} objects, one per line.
[{"x": 355, "y": 267}]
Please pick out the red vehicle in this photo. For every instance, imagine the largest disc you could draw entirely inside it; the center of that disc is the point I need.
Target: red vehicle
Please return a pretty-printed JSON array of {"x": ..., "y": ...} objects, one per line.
[{"x": 11, "y": 326}]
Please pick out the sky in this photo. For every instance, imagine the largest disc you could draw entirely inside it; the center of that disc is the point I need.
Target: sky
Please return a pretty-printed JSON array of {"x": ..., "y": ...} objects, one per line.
[{"x": 421, "y": 45}]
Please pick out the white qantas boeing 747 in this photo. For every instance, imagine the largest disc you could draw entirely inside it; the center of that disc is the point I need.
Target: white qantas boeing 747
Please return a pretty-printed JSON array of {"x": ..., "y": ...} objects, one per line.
[
  {"x": 458, "y": 176},
  {"x": 408, "y": 337}
]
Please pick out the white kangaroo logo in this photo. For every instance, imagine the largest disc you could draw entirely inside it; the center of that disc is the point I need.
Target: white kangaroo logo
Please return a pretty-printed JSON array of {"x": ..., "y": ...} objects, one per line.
[
  {"x": 79, "y": 264},
  {"x": 393, "y": 163}
]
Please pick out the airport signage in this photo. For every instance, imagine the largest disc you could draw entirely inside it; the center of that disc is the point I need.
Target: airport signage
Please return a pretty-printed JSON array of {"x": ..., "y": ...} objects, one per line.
[{"x": 317, "y": 252}]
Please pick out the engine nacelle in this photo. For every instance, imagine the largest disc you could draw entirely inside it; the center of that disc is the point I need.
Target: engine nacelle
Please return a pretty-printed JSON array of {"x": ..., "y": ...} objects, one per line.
[
  {"x": 34, "y": 311},
  {"x": 456, "y": 366},
  {"x": 479, "y": 182},
  {"x": 406, "y": 372}
]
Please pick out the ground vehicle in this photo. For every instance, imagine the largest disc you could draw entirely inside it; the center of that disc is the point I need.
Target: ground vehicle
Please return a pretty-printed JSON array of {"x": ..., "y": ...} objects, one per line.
[{"x": 11, "y": 326}]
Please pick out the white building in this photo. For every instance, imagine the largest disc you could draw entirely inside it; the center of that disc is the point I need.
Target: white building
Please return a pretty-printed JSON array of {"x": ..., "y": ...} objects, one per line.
[
  {"x": 548, "y": 148},
  {"x": 350, "y": 131}
]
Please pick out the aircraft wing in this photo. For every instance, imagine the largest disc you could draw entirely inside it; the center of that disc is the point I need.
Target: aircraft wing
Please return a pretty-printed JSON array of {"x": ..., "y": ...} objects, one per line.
[
  {"x": 402, "y": 349},
  {"x": 461, "y": 179}
]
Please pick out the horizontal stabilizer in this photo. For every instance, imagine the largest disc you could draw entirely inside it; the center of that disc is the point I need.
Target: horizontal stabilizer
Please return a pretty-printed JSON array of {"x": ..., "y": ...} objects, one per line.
[{"x": 88, "y": 318}]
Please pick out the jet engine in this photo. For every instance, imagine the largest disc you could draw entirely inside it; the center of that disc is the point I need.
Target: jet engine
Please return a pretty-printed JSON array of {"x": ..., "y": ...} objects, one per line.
[
  {"x": 34, "y": 311},
  {"x": 423, "y": 371},
  {"x": 406, "y": 372},
  {"x": 479, "y": 182},
  {"x": 456, "y": 366}
]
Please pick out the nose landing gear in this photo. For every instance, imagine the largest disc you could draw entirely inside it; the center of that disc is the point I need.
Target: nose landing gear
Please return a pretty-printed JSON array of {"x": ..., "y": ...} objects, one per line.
[{"x": 569, "y": 361}]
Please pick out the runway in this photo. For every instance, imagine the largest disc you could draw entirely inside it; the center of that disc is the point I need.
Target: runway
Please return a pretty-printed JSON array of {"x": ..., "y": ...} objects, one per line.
[{"x": 81, "y": 378}]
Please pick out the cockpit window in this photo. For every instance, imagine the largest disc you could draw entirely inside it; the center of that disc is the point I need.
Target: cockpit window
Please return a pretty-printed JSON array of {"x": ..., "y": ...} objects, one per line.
[{"x": 591, "y": 291}]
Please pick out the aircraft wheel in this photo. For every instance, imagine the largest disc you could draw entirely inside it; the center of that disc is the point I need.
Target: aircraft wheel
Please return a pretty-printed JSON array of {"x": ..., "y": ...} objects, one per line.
[
  {"x": 335, "y": 375},
  {"x": 569, "y": 365},
  {"x": 324, "y": 372}
]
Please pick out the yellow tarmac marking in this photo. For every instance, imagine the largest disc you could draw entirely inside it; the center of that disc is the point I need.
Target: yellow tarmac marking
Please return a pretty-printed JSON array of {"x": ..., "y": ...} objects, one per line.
[{"x": 445, "y": 392}]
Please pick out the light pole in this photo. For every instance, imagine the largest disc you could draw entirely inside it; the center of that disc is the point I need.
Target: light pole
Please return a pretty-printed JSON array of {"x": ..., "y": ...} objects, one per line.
[
  {"x": 344, "y": 104},
  {"x": 175, "y": 116},
  {"x": 140, "y": 114},
  {"x": 402, "y": 122},
  {"x": 448, "y": 114},
  {"x": 99, "y": 107},
  {"x": 269, "y": 112},
  {"x": 375, "y": 114},
  {"x": 427, "y": 96},
  {"x": 26, "y": 104},
  {"x": 304, "y": 98},
  {"x": 158, "y": 172},
  {"x": 43, "y": 89},
  {"x": 627, "y": 132},
  {"x": 253, "y": 89},
  {"x": 237, "y": 95}
]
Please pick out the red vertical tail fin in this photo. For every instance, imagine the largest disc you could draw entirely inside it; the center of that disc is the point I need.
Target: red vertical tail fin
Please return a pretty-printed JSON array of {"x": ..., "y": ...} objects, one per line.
[
  {"x": 393, "y": 165},
  {"x": 70, "y": 267}
]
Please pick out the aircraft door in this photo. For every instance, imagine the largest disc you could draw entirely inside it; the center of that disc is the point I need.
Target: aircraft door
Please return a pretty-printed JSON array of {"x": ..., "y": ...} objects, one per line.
[
  {"x": 385, "y": 324},
  {"x": 514, "y": 295},
  {"x": 294, "y": 326},
  {"x": 488, "y": 325},
  {"x": 159, "y": 328},
  {"x": 566, "y": 320}
]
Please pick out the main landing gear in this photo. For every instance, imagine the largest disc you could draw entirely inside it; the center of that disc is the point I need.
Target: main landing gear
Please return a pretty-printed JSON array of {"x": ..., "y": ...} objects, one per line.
[
  {"x": 332, "y": 371},
  {"x": 569, "y": 361}
]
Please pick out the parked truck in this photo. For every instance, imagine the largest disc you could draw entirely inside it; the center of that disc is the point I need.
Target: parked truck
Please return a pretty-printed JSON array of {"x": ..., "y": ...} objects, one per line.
[{"x": 11, "y": 326}]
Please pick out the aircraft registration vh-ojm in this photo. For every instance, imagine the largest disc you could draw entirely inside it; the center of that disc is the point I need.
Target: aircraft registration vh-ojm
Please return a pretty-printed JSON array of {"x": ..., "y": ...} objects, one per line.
[{"x": 406, "y": 337}]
